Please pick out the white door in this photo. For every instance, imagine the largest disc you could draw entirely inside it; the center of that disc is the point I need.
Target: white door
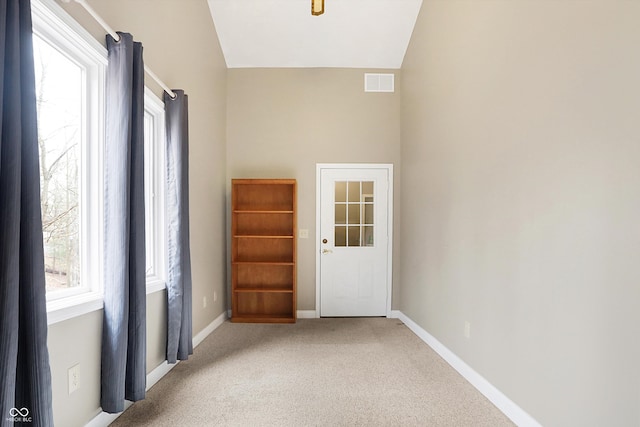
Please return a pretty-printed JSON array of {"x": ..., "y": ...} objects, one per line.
[{"x": 354, "y": 245}]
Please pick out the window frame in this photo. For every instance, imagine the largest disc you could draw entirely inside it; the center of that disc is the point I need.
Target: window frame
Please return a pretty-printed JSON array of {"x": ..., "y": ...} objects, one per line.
[
  {"x": 154, "y": 161},
  {"x": 64, "y": 34},
  {"x": 57, "y": 27},
  {"x": 88, "y": 73}
]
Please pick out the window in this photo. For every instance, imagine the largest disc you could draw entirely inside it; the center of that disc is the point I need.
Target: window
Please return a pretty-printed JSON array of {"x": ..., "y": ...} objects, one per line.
[
  {"x": 69, "y": 88},
  {"x": 70, "y": 68},
  {"x": 59, "y": 93},
  {"x": 354, "y": 213},
  {"x": 154, "y": 191}
]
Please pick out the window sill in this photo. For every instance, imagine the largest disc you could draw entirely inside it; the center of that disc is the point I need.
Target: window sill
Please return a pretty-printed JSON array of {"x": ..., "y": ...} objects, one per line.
[
  {"x": 78, "y": 305},
  {"x": 155, "y": 285},
  {"x": 70, "y": 307}
]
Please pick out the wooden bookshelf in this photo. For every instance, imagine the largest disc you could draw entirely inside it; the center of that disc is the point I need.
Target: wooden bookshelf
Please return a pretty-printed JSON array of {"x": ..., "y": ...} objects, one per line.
[{"x": 263, "y": 250}]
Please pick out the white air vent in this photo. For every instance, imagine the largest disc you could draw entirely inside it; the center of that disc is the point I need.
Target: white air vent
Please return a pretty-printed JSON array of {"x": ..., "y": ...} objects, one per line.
[{"x": 378, "y": 82}]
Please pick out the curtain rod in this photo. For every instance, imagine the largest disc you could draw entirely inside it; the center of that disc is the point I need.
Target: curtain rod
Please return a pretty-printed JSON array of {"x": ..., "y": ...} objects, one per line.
[{"x": 116, "y": 37}]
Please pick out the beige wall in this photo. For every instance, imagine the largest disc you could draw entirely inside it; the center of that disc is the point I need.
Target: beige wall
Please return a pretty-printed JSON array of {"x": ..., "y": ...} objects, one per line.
[
  {"x": 521, "y": 146},
  {"x": 180, "y": 46},
  {"x": 281, "y": 122}
]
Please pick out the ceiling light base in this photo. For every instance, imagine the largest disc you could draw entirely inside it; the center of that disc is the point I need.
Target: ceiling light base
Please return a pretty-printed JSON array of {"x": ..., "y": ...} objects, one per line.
[{"x": 317, "y": 7}]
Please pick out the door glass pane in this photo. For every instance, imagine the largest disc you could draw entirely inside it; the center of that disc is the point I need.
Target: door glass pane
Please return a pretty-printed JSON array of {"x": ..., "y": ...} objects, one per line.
[
  {"x": 354, "y": 191},
  {"x": 354, "y": 207},
  {"x": 368, "y": 213},
  {"x": 354, "y": 213},
  {"x": 354, "y": 236},
  {"x": 341, "y": 236},
  {"x": 367, "y": 191},
  {"x": 341, "y": 213},
  {"x": 367, "y": 236},
  {"x": 341, "y": 191}
]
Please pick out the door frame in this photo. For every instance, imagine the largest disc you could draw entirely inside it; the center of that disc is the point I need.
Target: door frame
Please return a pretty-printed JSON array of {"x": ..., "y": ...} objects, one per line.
[{"x": 389, "y": 169}]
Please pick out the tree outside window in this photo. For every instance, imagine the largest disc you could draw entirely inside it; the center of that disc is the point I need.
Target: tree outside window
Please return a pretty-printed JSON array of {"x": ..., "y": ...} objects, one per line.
[{"x": 59, "y": 87}]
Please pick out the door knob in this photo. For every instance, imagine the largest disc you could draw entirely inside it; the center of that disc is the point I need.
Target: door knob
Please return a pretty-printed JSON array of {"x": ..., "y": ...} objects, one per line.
[{"x": 327, "y": 251}]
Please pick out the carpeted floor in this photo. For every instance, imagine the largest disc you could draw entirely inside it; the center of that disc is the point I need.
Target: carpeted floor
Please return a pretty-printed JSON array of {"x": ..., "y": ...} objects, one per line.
[{"x": 317, "y": 372}]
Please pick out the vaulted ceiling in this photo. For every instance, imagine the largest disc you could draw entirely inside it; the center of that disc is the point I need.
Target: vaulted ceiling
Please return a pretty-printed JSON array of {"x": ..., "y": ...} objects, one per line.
[{"x": 283, "y": 33}]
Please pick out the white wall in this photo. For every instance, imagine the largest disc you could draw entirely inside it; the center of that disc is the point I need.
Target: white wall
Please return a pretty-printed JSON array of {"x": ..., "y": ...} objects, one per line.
[{"x": 521, "y": 198}]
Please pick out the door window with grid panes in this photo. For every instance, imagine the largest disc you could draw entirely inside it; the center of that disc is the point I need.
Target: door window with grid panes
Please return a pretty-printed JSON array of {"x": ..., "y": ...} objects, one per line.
[{"x": 354, "y": 222}]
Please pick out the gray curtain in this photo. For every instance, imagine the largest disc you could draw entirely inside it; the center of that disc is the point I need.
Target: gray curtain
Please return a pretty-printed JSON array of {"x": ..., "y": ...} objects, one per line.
[
  {"x": 124, "y": 323},
  {"x": 25, "y": 376},
  {"x": 179, "y": 327}
]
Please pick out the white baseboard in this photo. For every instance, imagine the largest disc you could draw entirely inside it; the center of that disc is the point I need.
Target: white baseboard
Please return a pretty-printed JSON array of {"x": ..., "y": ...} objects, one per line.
[
  {"x": 103, "y": 419},
  {"x": 300, "y": 314},
  {"x": 209, "y": 329},
  {"x": 495, "y": 396},
  {"x": 307, "y": 314},
  {"x": 156, "y": 375}
]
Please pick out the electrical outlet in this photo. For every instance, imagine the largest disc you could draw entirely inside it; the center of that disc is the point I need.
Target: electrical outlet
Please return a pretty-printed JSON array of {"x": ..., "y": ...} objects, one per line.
[
  {"x": 467, "y": 329},
  {"x": 204, "y": 302},
  {"x": 303, "y": 233},
  {"x": 74, "y": 378},
  {"x": 215, "y": 296}
]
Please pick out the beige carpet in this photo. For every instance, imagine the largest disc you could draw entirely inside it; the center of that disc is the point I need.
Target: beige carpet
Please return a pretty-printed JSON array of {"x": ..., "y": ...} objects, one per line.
[{"x": 318, "y": 372}]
